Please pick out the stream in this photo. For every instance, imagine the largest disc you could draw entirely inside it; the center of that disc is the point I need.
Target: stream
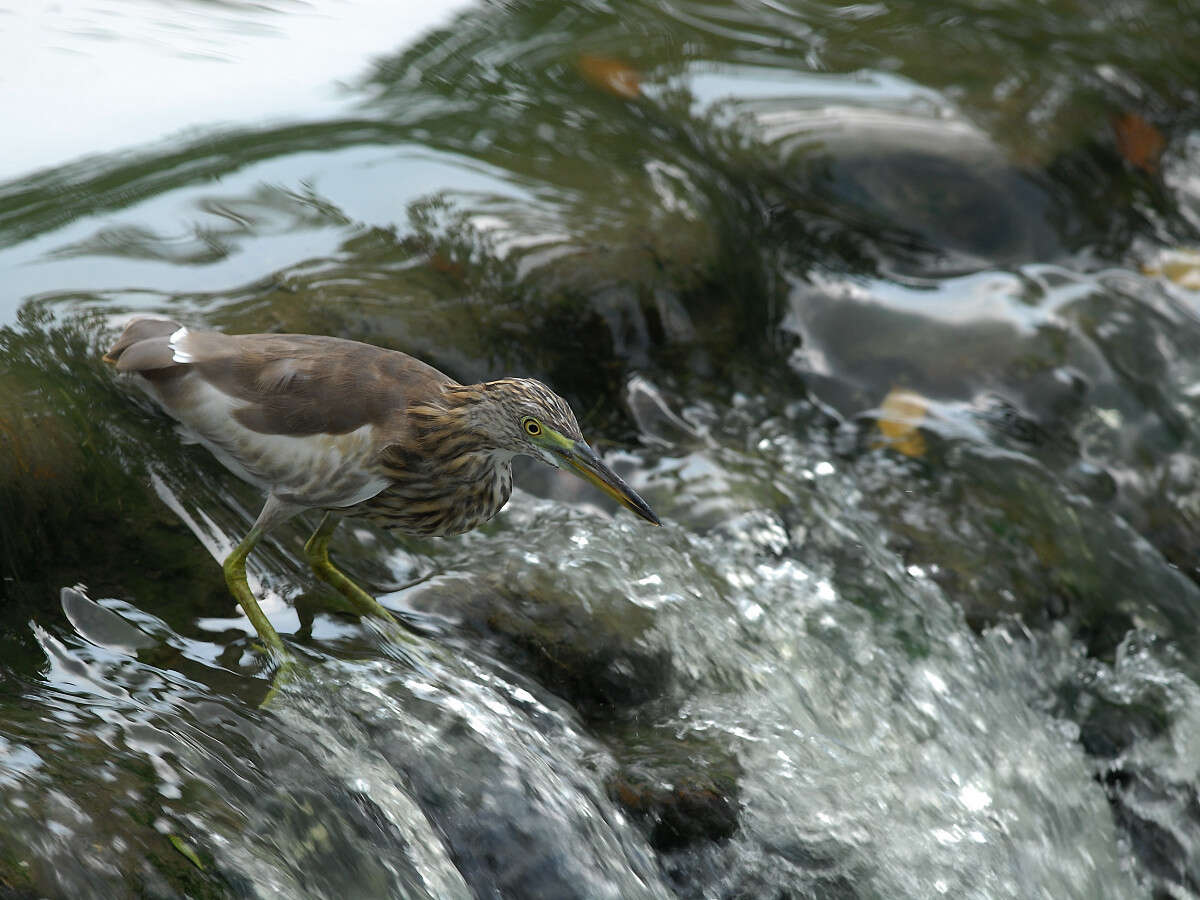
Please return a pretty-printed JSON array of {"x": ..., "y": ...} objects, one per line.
[{"x": 891, "y": 311}]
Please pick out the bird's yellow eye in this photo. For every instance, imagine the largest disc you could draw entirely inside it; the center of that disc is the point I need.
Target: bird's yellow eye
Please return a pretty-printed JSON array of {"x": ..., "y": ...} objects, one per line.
[{"x": 532, "y": 426}]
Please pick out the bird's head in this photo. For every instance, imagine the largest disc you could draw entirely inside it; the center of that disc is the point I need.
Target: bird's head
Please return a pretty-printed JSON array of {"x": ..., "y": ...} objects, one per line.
[{"x": 526, "y": 417}]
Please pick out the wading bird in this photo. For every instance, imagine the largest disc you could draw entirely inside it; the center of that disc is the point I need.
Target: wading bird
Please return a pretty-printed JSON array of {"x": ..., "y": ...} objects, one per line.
[{"x": 353, "y": 430}]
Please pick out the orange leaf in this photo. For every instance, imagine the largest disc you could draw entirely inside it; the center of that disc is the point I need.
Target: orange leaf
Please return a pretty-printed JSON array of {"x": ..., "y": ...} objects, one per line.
[
  {"x": 1138, "y": 141},
  {"x": 445, "y": 265},
  {"x": 610, "y": 75}
]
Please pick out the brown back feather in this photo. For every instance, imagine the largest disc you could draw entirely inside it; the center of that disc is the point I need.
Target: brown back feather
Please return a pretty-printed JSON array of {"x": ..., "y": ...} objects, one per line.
[
  {"x": 291, "y": 384},
  {"x": 298, "y": 384}
]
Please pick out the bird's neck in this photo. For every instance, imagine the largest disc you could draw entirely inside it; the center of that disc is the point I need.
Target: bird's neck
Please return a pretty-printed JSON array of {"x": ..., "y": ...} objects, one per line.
[
  {"x": 457, "y": 430},
  {"x": 476, "y": 413}
]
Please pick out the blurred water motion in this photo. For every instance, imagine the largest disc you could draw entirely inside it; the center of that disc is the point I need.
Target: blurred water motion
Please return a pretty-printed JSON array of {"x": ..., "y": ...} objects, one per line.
[
  {"x": 124, "y": 73},
  {"x": 890, "y": 312}
]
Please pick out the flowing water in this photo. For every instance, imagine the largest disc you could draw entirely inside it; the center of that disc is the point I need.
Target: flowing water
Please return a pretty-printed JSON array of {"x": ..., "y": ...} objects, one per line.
[{"x": 891, "y": 311}]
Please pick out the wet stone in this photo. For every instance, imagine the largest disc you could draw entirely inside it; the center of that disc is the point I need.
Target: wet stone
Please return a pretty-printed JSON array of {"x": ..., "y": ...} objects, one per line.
[
  {"x": 508, "y": 797},
  {"x": 681, "y": 790},
  {"x": 678, "y": 815},
  {"x": 1111, "y": 728},
  {"x": 1147, "y": 808},
  {"x": 593, "y": 655},
  {"x": 74, "y": 487}
]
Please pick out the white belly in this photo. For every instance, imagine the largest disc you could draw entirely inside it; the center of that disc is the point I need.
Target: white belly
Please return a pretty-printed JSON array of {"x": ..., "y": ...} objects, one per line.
[{"x": 316, "y": 470}]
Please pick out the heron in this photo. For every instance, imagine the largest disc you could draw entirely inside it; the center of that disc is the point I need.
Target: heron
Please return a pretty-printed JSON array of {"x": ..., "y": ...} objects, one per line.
[{"x": 352, "y": 430}]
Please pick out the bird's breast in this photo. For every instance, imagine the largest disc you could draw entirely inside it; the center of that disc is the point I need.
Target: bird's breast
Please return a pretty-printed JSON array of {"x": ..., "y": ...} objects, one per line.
[{"x": 440, "y": 500}]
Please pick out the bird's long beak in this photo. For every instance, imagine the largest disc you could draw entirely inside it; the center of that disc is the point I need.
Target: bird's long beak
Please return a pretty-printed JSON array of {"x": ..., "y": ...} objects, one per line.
[{"x": 578, "y": 457}]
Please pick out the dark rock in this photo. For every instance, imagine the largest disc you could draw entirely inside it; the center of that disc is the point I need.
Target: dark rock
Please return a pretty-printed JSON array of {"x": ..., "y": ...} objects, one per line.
[
  {"x": 680, "y": 814},
  {"x": 593, "y": 655}
]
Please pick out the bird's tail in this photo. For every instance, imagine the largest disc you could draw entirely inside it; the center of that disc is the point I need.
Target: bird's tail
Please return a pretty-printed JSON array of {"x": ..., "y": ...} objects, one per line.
[{"x": 143, "y": 345}]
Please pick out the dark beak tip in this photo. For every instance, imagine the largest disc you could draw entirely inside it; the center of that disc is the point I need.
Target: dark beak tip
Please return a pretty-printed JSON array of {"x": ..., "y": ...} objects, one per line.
[
  {"x": 642, "y": 509},
  {"x": 585, "y": 462}
]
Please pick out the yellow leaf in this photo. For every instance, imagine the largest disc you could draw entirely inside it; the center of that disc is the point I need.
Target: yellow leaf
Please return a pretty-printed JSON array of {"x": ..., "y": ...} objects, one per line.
[
  {"x": 900, "y": 414},
  {"x": 1179, "y": 266}
]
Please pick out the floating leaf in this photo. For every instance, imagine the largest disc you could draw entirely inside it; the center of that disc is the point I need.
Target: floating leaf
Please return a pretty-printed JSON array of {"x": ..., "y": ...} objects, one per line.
[
  {"x": 900, "y": 414},
  {"x": 610, "y": 75},
  {"x": 184, "y": 848},
  {"x": 1138, "y": 141},
  {"x": 1179, "y": 266}
]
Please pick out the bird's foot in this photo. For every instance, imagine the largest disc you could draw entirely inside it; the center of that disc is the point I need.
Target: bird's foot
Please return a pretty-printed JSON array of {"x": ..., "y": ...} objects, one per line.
[
  {"x": 362, "y": 603},
  {"x": 286, "y": 669}
]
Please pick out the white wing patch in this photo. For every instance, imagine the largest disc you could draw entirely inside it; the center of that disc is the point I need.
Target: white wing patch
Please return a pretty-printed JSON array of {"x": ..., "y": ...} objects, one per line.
[{"x": 178, "y": 350}]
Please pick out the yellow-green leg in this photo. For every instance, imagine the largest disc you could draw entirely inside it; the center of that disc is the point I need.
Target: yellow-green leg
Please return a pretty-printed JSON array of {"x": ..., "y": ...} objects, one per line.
[
  {"x": 317, "y": 551},
  {"x": 235, "y": 576},
  {"x": 273, "y": 512}
]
